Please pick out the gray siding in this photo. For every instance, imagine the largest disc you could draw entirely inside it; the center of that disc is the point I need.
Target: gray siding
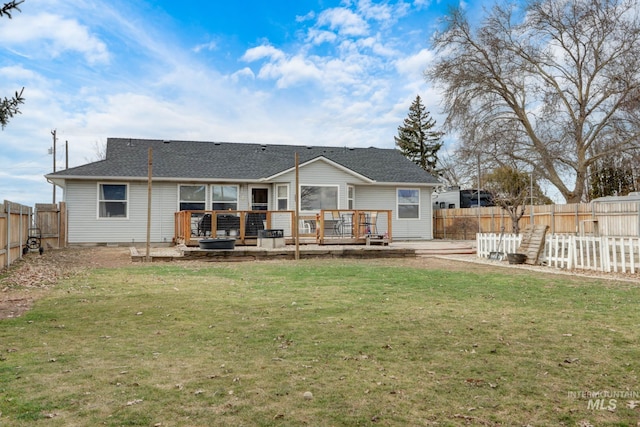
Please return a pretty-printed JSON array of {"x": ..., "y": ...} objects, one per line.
[
  {"x": 85, "y": 226},
  {"x": 379, "y": 197},
  {"x": 320, "y": 173}
]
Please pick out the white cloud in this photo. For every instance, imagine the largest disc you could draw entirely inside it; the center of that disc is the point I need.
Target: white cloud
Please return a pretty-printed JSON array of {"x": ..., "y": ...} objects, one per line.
[
  {"x": 205, "y": 46},
  {"x": 318, "y": 37},
  {"x": 380, "y": 11},
  {"x": 246, "y": 72},
  {"x": 416, "y": 64},
  {"x": 419, "y": 4},
  {"x": 55, "y": 34},
  {"x": 376, "y": 46},
  {"x": 261, "y": 52},
  {"x": 309, "y": 16},
  {"x": 291, "y": 71}
]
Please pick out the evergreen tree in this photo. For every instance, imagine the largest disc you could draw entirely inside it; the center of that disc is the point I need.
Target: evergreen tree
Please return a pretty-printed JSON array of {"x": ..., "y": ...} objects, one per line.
[
  {"x": 613, "y": 176},
  {"x": 417, "y": 140}
]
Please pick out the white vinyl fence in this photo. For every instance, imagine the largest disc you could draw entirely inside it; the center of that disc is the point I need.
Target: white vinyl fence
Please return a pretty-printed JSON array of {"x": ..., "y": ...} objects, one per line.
[{"x": 608, "y": 254}]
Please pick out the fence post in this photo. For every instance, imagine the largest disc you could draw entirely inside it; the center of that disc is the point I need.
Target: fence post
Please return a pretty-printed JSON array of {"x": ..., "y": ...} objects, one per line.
[
  {"x": 8, "y": 211},
  {"x": 638, "y": 224},
  {"x": 20, "y": 236},
  {"x": 444, "y": 224},
  {"x": 571, "y": 250}
]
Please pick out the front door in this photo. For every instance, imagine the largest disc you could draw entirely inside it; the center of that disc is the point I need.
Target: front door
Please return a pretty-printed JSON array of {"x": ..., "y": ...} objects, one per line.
[{"x": 259, "y": 202}]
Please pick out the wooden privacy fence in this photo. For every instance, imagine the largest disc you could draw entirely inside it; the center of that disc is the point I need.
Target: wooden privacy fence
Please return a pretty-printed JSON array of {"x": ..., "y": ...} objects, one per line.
[
  {"x": 607, "y": 254},
  {"x": 15, "y": 221},
  {"x": 51, "y": 220},
  {"x": 20, "y": 226},
  {"x": 596, "y": 219}
]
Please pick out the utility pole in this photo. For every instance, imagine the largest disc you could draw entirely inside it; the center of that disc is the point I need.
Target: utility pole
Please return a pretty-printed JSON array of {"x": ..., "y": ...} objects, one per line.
[
  {"x": 149, "y": 191},
  {"x": 53, "y": 132}
]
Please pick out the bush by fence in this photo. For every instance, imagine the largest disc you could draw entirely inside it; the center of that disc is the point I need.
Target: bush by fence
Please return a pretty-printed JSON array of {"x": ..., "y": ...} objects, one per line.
[{"x": 600, "y": 219}]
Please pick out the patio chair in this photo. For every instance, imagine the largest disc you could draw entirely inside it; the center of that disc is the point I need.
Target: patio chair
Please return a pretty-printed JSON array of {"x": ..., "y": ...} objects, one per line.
[
  {"x": 370, "y": 223},
  {"x": 204, "y": 225},
  {"x": 254, "y": 223},
  {"x": 304, "y": 227},
  {"x": 342, "y": 223}
]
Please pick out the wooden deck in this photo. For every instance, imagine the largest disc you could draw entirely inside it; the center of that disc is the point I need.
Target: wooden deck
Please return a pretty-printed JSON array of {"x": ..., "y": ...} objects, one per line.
[{"x": 328, "y": 227}]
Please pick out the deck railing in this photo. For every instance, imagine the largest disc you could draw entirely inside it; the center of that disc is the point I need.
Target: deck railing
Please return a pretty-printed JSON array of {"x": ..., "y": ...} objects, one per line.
[
  {"x": 352, "y": 226},
  {"x": 335, "y": 226},
  {"x": 244, "y": 226}
]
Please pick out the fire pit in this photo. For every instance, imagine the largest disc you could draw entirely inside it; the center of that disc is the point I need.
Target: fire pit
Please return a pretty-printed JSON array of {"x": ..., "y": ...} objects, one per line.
[{"x": 228, "y": 244}]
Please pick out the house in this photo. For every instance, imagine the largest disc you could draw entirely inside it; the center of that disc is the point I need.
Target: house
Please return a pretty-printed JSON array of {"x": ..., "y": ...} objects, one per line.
[{"x": 107, "y": 200}]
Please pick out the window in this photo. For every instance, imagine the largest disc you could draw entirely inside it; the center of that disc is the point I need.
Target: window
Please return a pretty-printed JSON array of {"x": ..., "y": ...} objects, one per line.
[
  {"x": 282, "y": 197},
  {"x": 315, "y": 198},
  {"x": 224, "y": 197},
  {"x": 408, "y": 200},
  {"x": 192, "y": 197},
  {"x": 112, "y": 200},
  {"x": 350, "y": 197}
]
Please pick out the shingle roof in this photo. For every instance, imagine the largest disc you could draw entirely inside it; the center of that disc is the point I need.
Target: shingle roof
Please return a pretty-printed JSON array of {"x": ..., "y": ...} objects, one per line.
[{"x": 128, "y": 158}]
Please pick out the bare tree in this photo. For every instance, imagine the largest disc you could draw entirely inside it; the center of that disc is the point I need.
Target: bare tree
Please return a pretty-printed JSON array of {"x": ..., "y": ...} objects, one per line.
[
  {"x": 99, "y": 152},
  {"x": 455, "y": 171},
  {"x": 9, "y": 107},
  {"x": 552, "y": 87},
  {"x": 513, "y": 190}
]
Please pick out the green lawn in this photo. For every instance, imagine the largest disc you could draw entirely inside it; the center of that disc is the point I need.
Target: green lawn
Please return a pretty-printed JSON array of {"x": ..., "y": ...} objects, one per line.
[{"x": 374, "y": 342}]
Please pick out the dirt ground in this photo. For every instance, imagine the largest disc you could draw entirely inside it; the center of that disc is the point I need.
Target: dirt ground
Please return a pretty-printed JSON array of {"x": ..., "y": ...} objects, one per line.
[{"x": 28, "y": 279}]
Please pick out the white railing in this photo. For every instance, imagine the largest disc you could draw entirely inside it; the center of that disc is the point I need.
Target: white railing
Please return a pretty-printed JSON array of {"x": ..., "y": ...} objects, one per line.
[
  {"x": 589, "y": 253},
  {"x": 609, "y": 254},
  {"x": 557, "y": 251},
  {"x": 490, "y": 242},
  {"x": 624, "y": 254}
]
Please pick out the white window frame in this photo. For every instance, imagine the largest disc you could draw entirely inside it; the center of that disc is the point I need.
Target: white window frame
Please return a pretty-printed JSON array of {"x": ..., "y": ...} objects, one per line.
[
  {"x": 278, "y": 198},
  {"x": 204, "y": 202},
  {"x": 237, "y": 201},
  {"x": 351, "y": 197},
  {"x": 398, "y": 204},
  {"x": 99, "y": 201},
  {"x": 319, "y": 185}
]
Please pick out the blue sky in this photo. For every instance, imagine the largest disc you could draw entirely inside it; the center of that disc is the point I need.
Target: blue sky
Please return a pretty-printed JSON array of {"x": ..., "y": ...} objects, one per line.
[{"x": 303, "y": 72}]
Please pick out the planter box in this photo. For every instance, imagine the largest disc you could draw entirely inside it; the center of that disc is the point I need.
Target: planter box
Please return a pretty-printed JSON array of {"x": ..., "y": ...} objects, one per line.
[
  {"x": 228, "y": 244},
  {"x": 516, "y": 258},
  {"x": 271, "y": 242}
]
